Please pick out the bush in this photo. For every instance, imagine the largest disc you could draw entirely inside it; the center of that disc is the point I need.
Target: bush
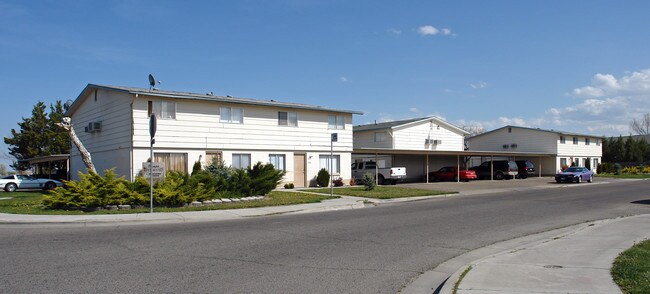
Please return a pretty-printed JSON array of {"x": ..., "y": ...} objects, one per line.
[
  {"x": 323, "y": 178},
  {"x": 631, "y": 170},
  {"x": 240, "y": 183},
  {"x": 93, "y": 190},
  {"x": 289, "y": 186},
  {"x": 369, "y": 182},
  {"x": 338, "y": 182},
  {"x": 617, "y": 168},
  {"x": 196, "y": 168},
  {"x": 172, "y": 190},
  {"x": 264, "y": 178}
]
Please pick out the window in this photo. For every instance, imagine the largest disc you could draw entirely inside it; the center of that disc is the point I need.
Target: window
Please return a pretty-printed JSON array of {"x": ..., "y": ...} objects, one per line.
[
  {"x": 562, "y": 139},
  {"x": 595, "y": 166},
  {"x": 241, "y": 160},
  {"x": 509, "y": 130},
  {"x": 562, "y": 162},
  {"x": 287, "y": 119},
  {"x": 278, "y": 161},
  {"x": 587, "y": 141},
  {"x": 597, "y": 142},
  {"x": 380, "y": 136},
  {"x": 336, "y": 122},
  {"x": 162, "y": 109},
  {"x": 211, "y": 157},
  {"x": 173, "y": 161},
  {"x": 232, "y": 115},
  {"x": 325, "y": 163},
  {"x": 575, "y": 140}
]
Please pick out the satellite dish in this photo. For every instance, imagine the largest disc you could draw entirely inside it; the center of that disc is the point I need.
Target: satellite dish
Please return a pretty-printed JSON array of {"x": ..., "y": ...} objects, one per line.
[
  {"x": 67, "y": 105},
  {"x": 152, "y": 81}
]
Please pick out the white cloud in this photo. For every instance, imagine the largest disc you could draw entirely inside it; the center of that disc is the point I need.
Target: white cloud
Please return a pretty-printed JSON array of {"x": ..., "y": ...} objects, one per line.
[
  {"x": 428, "y": 30},
  {"x": 414, "y": 109},
  {"x": 445, "y": 31},
  {"x": 479, "y": 85},
  {"x": 394, "y": 31},
  {"x": 343, "y": 79}
]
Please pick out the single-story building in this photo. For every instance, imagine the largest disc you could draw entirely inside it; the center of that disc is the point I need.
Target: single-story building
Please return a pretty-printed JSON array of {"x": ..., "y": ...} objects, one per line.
[{"x": 113, "y": 124}]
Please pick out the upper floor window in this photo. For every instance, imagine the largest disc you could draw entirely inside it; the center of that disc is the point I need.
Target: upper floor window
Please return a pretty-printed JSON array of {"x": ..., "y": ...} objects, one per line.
[
  {"x": 231, "y": 115},
  {"x": 336, "y": 122},
  {"x": 287, "y": 119},
  {"x": 162, "y": 109},
  {"x": 562, "y": 139},
  {"x": 380, "y": 136},
  {"x": 575, "y": 140},
  {"x": 587, "y": 141}
]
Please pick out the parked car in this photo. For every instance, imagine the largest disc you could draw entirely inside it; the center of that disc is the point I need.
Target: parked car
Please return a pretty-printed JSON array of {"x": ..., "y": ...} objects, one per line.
[
  {"x": 385, "y": 175},
  {"x": 526, "y": 168},
  {"x": 503, "y": 169},
  {"x": 13, "y": 182},
  {"x": 575, "y": 174},
  {"x": 451, "y": 173}
]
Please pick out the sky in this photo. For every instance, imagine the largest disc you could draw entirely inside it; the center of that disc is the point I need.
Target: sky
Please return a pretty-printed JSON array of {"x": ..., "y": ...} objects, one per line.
[{"x": 575, "y": 66}]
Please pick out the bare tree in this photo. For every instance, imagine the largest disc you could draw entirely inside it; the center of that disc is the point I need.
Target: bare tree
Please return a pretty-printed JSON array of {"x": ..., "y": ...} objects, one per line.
[
  {"x": 641, "y": 127},
  {"x": 85, "y": 155},
  {"x": 473, "y": 129}
]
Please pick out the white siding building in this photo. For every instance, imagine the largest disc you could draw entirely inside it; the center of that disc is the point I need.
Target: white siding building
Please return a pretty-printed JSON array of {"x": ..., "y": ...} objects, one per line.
[
  {"x": 113, "y": 124},
  {"x": 567, "y": 148},
  {"x": 425, "y": 144}
]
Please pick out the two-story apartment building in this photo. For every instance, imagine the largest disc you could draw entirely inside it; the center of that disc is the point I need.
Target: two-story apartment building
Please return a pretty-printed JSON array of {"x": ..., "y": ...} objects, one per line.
[
  {"x": 113, "y": 124},
  {"x": 567, "y": 147},
  {"x": 419, "y": 144}
]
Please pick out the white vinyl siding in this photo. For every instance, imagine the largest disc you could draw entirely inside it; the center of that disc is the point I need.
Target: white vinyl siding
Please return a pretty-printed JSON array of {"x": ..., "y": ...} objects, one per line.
[
  {"x": 241, "y": 160},
  {"x": 325, "y": 163},
  {"x": 233, "y": 115},
  {"x": 336, "y": 122},
  {"x": 287, "y": 119},
  {"x": 278, "y": 161}
]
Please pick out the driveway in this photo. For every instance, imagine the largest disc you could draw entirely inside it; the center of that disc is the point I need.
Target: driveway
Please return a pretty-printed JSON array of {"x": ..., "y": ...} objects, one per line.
[{"x": 487, "y": 186}]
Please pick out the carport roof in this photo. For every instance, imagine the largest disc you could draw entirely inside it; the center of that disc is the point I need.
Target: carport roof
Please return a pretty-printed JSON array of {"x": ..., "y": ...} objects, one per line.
[{"x": 385, "y": 151}]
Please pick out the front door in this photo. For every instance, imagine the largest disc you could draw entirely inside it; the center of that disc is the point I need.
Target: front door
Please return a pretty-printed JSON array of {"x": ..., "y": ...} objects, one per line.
[{"x": 299, "y": 170}]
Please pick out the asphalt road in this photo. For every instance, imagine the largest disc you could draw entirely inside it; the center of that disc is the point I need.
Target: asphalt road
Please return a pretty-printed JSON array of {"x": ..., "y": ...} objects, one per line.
[{"x": 373, "y": 250}]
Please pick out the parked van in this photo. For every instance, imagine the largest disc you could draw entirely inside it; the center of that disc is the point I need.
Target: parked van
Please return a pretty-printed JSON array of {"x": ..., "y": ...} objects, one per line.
[{"x": 502, "y": 169}]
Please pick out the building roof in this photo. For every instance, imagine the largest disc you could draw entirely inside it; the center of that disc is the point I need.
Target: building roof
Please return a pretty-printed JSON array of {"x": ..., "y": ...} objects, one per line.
[
  {"x": 405, "y": 123},
  {"x": 194, "y": 96},
  {"x": 538, "y": 130}
]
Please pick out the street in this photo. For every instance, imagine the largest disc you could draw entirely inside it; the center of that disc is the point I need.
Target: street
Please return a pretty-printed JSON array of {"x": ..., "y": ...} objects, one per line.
[{"x": 373, "y": 250}]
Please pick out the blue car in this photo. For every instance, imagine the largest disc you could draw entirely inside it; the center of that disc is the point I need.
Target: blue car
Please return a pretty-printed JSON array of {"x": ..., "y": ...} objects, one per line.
[{"x": 575, "y": 174}]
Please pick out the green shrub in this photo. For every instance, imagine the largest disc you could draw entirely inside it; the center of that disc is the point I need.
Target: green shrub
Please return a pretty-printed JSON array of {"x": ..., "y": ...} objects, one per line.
[
  {"x": 617, "y": 168},
  {"x": 93, "y": 190},
  {"x": 264, "y": 178},
  {"x": 289, "y": 186},
  {"x": 172, "y": 190},
  {"x": 220, "y": 172},
  {"x": 323, "y": 178},
  {"x": 196, "y": 168},
  {"x": 240, "y": 183},
  {"x": 369, "y": 181},
  {"x": 631, "y": 170}
]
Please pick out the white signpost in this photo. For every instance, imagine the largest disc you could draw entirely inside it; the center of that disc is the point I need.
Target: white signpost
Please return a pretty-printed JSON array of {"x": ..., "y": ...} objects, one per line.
[{"x": 153, "y": 124}]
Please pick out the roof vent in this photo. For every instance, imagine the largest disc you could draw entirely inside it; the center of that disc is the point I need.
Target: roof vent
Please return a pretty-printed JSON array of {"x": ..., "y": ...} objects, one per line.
[{"x": 228, "y": 96}]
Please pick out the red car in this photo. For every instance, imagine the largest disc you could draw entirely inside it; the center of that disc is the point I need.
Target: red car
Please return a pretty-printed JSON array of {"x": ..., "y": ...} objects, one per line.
[{"x": 450, "y": 173}]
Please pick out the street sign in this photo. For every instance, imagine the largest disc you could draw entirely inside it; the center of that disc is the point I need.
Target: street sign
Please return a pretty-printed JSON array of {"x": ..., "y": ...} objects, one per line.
[
  {"x": 152, "y": 125},
  {"x": 335, "y": 137}
]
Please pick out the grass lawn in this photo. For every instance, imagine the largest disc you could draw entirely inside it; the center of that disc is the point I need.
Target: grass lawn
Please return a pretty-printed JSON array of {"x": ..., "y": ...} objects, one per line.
[
  {"x": 625, "y": 176},
  {"x": 380, "y": 192},
  {"x": 631, "y": 270},
  {"x": 30, "y": 203}
]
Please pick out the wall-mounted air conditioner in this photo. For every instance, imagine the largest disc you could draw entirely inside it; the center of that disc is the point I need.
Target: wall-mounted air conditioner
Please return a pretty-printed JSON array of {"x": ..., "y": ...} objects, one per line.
[
  {"x": 432, "y": 142},
  {"x": 505, "y": 146},
  {"x": 93, "y": 127}
]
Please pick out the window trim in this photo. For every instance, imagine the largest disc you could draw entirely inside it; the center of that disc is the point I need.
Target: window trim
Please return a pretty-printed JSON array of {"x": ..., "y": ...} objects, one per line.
[{"x": 230, "y": 120}]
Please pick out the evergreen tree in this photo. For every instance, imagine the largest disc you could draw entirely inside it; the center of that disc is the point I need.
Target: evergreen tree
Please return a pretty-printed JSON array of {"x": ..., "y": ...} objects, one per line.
[{"x": 38, "y": 136}]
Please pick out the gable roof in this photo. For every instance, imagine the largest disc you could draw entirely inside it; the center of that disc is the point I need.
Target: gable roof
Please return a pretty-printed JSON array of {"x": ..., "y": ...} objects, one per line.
[
  {"x": 194, "y": 96},
  {"x": 406, "y": 123},
  {"x": 538, "y": 130}
]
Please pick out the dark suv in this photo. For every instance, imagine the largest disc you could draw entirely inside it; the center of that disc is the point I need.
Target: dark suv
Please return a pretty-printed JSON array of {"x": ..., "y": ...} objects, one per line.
[
  {"x": 526, "y": 168},
  {"x": 503, "y": 169}
]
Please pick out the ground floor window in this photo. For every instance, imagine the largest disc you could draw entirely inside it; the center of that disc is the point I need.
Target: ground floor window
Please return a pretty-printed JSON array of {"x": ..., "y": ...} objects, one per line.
[
  {"x": 325, "y": 161},
  {"x": 173, "y": 161},
  {"x": 213, "y": 156},
  {"x": 595, "y": 166},
  {"x": 562, "y": 162},
  {"x": 278, "y": 161},
  {"x": 240, "y": 160}
]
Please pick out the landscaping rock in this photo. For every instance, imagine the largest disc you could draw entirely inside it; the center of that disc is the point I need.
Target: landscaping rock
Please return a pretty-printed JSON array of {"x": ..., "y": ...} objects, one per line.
[
  {"x": 111, "y": 207},
  {"x": 226, "y": 200},
  {"x": 124, "y": 206},
  {"x": 196, "y": 204},
  {"x": 208, "y": 202},
  {"x": 217, "y": 201},
  {"x": 235, "y": 200}
]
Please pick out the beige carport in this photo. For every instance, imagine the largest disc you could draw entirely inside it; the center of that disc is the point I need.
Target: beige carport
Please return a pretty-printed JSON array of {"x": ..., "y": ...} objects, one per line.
[{"x": 465, "y": 154}]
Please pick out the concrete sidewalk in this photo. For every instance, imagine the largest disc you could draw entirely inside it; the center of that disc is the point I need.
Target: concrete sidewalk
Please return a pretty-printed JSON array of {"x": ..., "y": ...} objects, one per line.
[{"x": 577, "y": 260}]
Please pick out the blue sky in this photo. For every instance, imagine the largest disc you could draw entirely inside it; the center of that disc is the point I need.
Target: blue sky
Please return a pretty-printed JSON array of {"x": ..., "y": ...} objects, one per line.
[{"x": 581, "y": 66}]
